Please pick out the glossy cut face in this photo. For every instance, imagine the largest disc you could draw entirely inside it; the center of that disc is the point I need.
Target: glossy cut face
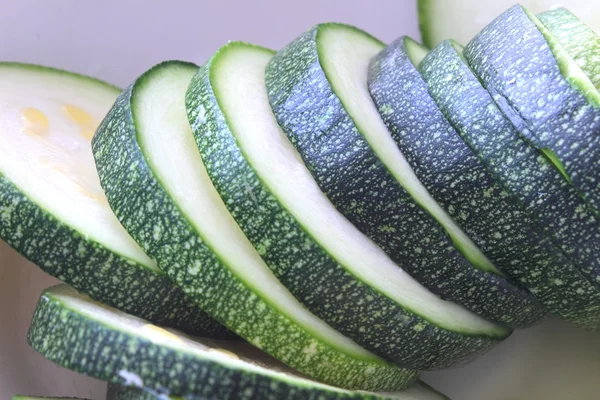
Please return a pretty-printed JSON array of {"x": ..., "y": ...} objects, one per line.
[{"x": 47, "y": 121}]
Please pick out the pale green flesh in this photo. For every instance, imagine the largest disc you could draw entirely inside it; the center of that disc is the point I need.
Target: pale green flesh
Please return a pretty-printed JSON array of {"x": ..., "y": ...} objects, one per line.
[
  {"x": 167, "y": 142},
  {"x": 463, "y": 19},
  {"x": 568, "y": 66},
  {"x": 54, "y": 167},
  {"x": 239, "y": 80},
  {"x": 416, "y": 52},
  {"x": 345, "y": 55}
]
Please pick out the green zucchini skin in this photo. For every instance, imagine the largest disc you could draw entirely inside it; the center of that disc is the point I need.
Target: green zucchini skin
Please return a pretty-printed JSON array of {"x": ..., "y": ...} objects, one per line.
[
  {"x": 578, "y": 39},
  {"x": 85, "y": 345},
  {"x": 145, "y": 207},
  {"x": 450, "y": 171},
  {"x": 316, "y": 279},
  {"x": 67, "y": 254},
  {"x": 362, "y": 188},
  {"x": 516, "y": 65},
  {"x": 525, "y": 173},
  {"x": 421, "y": 391}
]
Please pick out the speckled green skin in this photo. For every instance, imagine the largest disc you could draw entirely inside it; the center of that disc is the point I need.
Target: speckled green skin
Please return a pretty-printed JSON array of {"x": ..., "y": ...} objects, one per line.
[
  {"x": 420, "y": 391},
  {"x": 72, "y": 257},
  {"x": 364, "y": 190},
  {"x": 315, "y": 278},
  {"x": 526, "y": 174},
  {"x": 578, "y": 39},
  {"x": 153, "y": 218},
  {"x": 86, "y": 345},
  {"x": 516, "y": 65},
  {"x": 451, "y": 172}
]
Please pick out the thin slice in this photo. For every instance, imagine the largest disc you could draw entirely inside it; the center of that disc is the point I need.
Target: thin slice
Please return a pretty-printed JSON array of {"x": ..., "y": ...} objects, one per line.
[
  {"x": 449, "y": 169},
  {"x": 578, "y": 40},
  {"x": 418, "y": 391},
  {"x": 525, "y": 174},
  {"x": 157, "y": 185},
  {"x": 52, "y": 208},
  {"x": 544, "y": 95},
  {"x": 462, "y": 20},
  {"x": 318, "y": 91},
  {"x": 330, "y": 266},
  {"x": 81, "y": 334}
]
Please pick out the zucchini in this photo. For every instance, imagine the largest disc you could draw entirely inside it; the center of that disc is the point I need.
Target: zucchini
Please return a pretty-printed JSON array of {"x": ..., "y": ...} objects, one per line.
[
  {"x": 449, "y": 169},
  {"x": 249, "y": 161},
  {"x": 526, "y": 174},
  {"x": 462, "y": 20},
  {"x": 52, "y": 208},
  {"x": 579, "y": 40},
  {"x": 318, "y": 91},
  {"x": 45, "y": 398},
  {"x": 157, "y": 185},
  {"x": 546, "y": 97},
  {"x": 417, "y": 391},
  {"x": 81, "y": 334}
]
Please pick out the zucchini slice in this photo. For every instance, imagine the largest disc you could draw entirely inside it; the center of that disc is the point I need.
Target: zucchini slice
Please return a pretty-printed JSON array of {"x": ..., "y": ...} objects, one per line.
[
  {"x": 325, "y": 262},
  {"x": 578, "y": 40},
  {"x": 417, "y": 391},
  {"x": 81, "y": 334},
  {"x": 318, "y": 91},
  {"x": 156, "y": 183},
  {"x": 545, "y": 96},
  {"x": 462, "y": 20},
  {"x": 449, "y": 169},
  {"x": 526, "y": 174},
  {"x": 52, "y": 208}
]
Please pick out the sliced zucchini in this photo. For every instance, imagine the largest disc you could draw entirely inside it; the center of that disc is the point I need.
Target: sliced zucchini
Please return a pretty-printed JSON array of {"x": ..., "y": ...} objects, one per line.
[
  {"x": 81, "y": 334},
  {"x": 158, "y": 187},
  {"x": 450, "y": 170},
  {"x": 45, "y": 398},
  {"x": 52, "y": 208},
  {"x": 417, "y": 391},
  {"x": 318, "y": 91},
  {"x": 462, "y": 20},
  {"x": 545, "y": 95},
  {"x": 330, "y": 266},
  {"x": 578, "y": 40},
  {"x": 525, "y": 174}
]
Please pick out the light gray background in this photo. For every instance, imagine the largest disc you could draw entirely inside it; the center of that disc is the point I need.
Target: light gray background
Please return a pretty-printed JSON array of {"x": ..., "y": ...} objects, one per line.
[{"x": 117, "y": 40}]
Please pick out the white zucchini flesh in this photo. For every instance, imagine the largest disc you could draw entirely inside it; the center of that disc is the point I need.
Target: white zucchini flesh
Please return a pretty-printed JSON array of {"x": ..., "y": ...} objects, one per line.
[
  {"x": 47, "y": 121},
  {"x": 168, "y": 145},
  {"x": 463, "y": 19},
  {"x": 240, "y": 80},
  {"x": 346, "y": 55}
]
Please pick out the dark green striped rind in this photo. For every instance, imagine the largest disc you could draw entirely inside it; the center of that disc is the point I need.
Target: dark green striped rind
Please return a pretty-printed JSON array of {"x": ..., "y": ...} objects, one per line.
[
  {"x": 419, "y": 391},
  {"x": 45, "y": 398},
  {"x": 451, "y": 172},
  {"x": 526, "y": 174},
  {"x": 71, "y": 256},
  {"x": 300, "y": 262},
  {"x": 155, "y": 221},
  {"x": 107, "y": 351},
  {"x": 362, "y": 188},
  {"x": 578, "y": 39},
  {"x": 518, "y": 66}
]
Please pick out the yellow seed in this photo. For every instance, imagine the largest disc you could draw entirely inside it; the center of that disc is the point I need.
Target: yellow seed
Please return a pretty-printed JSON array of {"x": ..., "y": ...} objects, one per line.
[
  {"x": 35, "y": 121},
  {"x": 224, "y": 352},
  {"x": 81, "y": 118},
  {"x": 157, "y": 331},
  {"x": 78, "y": 115}
]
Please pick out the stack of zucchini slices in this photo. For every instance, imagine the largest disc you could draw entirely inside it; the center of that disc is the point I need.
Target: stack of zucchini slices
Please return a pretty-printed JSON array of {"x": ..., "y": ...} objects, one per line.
[{"x": 325, "y": 221}]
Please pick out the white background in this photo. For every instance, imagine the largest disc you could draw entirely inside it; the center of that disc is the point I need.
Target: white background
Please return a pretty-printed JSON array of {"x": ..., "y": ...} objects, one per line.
[{"x": 117, "y": 40}]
